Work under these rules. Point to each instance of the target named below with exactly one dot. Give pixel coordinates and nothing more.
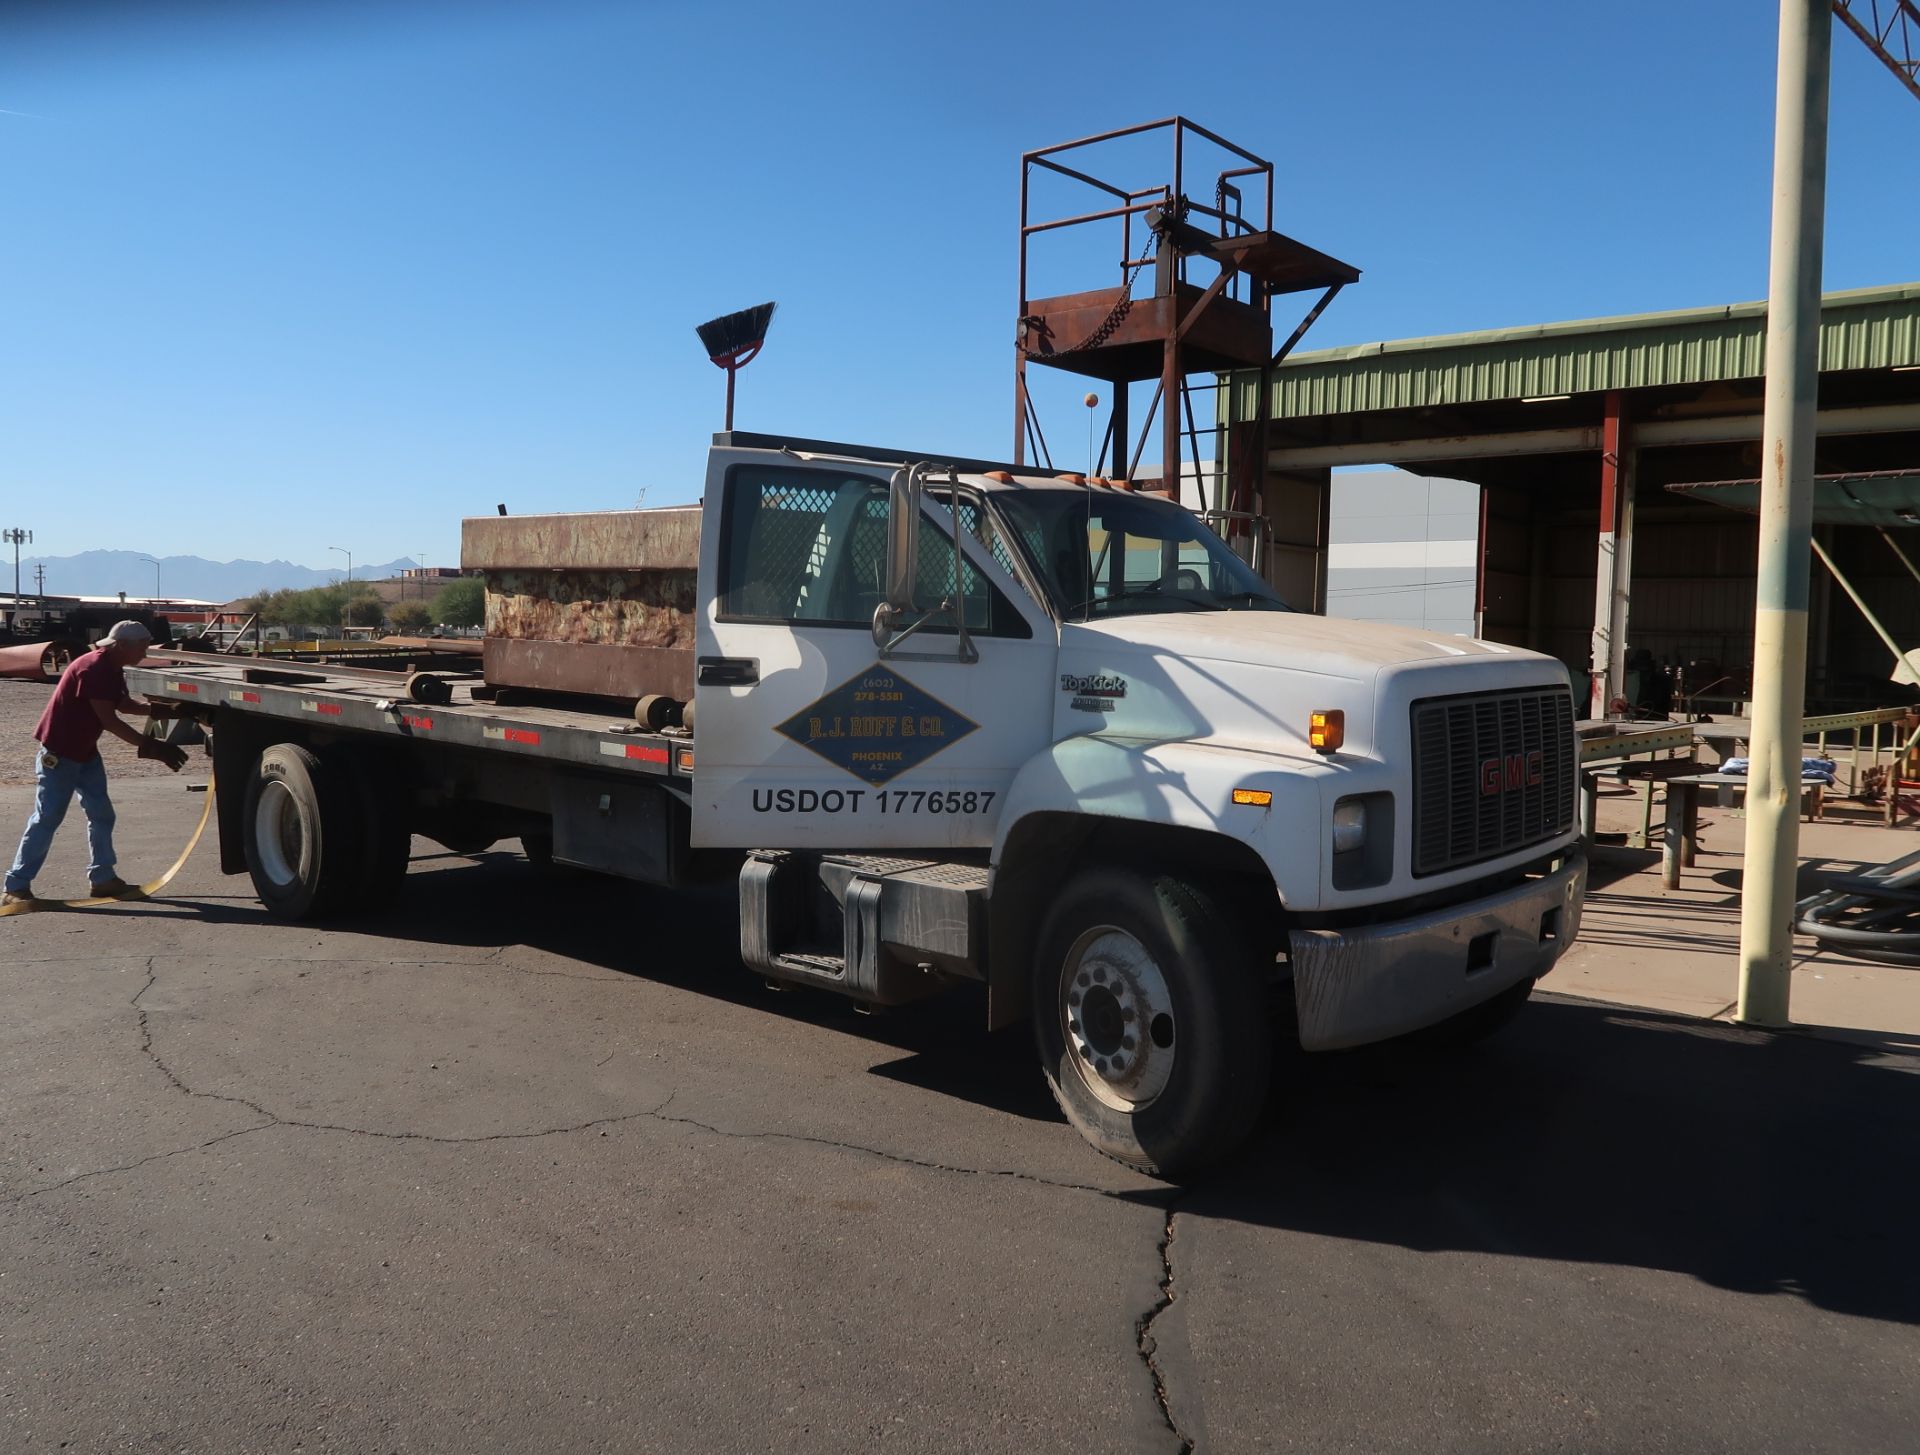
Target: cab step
(907, 927)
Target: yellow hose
(144, 891)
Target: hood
(1351, 649)
(1252, 678)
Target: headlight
(1349, 826)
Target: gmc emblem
(1516, 770)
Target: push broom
(733, 341)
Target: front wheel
(1150, 1015)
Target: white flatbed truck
(956, 721)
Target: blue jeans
(56, 786)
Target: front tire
(303, 834)
(1150, 1017)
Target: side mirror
(903, 535)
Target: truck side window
(806, 545)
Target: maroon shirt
(70, 728)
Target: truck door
(809, 733)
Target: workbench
(1680, 841)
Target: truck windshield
(1107, 553)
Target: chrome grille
(1476, 792)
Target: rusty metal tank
(36, 661)
(598, 603)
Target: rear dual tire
(324, 834)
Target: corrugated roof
(1862, 328)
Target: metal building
(1573, 431)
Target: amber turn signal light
(1255, 797)
(1326, 731)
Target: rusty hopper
(601, 604)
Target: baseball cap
(127, 634)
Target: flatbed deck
(361, 701)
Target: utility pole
(16, 538)
(40, 580)
(1786, 512)
(156, 575)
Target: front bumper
(1353, 987)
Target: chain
(1116, 315)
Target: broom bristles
(737, 332)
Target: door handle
(727, 671)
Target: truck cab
(975, 721)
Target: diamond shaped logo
(877, 725)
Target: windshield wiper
(1254, 598)
(1144, 601)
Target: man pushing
(89, 699)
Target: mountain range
(103, 573)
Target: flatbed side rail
(358, 705)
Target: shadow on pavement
(1589, 1134)
(690, 939)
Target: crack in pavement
(656, 1113)
(130, 1166)
(889, 1156)
(1145, 1346)
(1143, 1334)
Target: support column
(1786, 512)
(1170, 417)
(1480, 572)
(1122, 445)
(1622, 564)
(1606, 673)
(1020, 404)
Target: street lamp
(156, 575)
(16, 538)
(346, 605)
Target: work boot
(22, 897)
(114, 888)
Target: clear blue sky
(279, 276)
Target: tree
(359, 604)
(282, 608)
(461, 603)
(410, 616)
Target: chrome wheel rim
(278, 836)
(1116, 1015)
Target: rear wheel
(303, 834)
(1151, 1022)
(384, 809)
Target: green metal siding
(1867, 328)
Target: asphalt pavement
(533, 1165)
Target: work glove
(174, 758)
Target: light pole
(16, 538)
(156, 575)
(346, 605)
(1786, 512)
